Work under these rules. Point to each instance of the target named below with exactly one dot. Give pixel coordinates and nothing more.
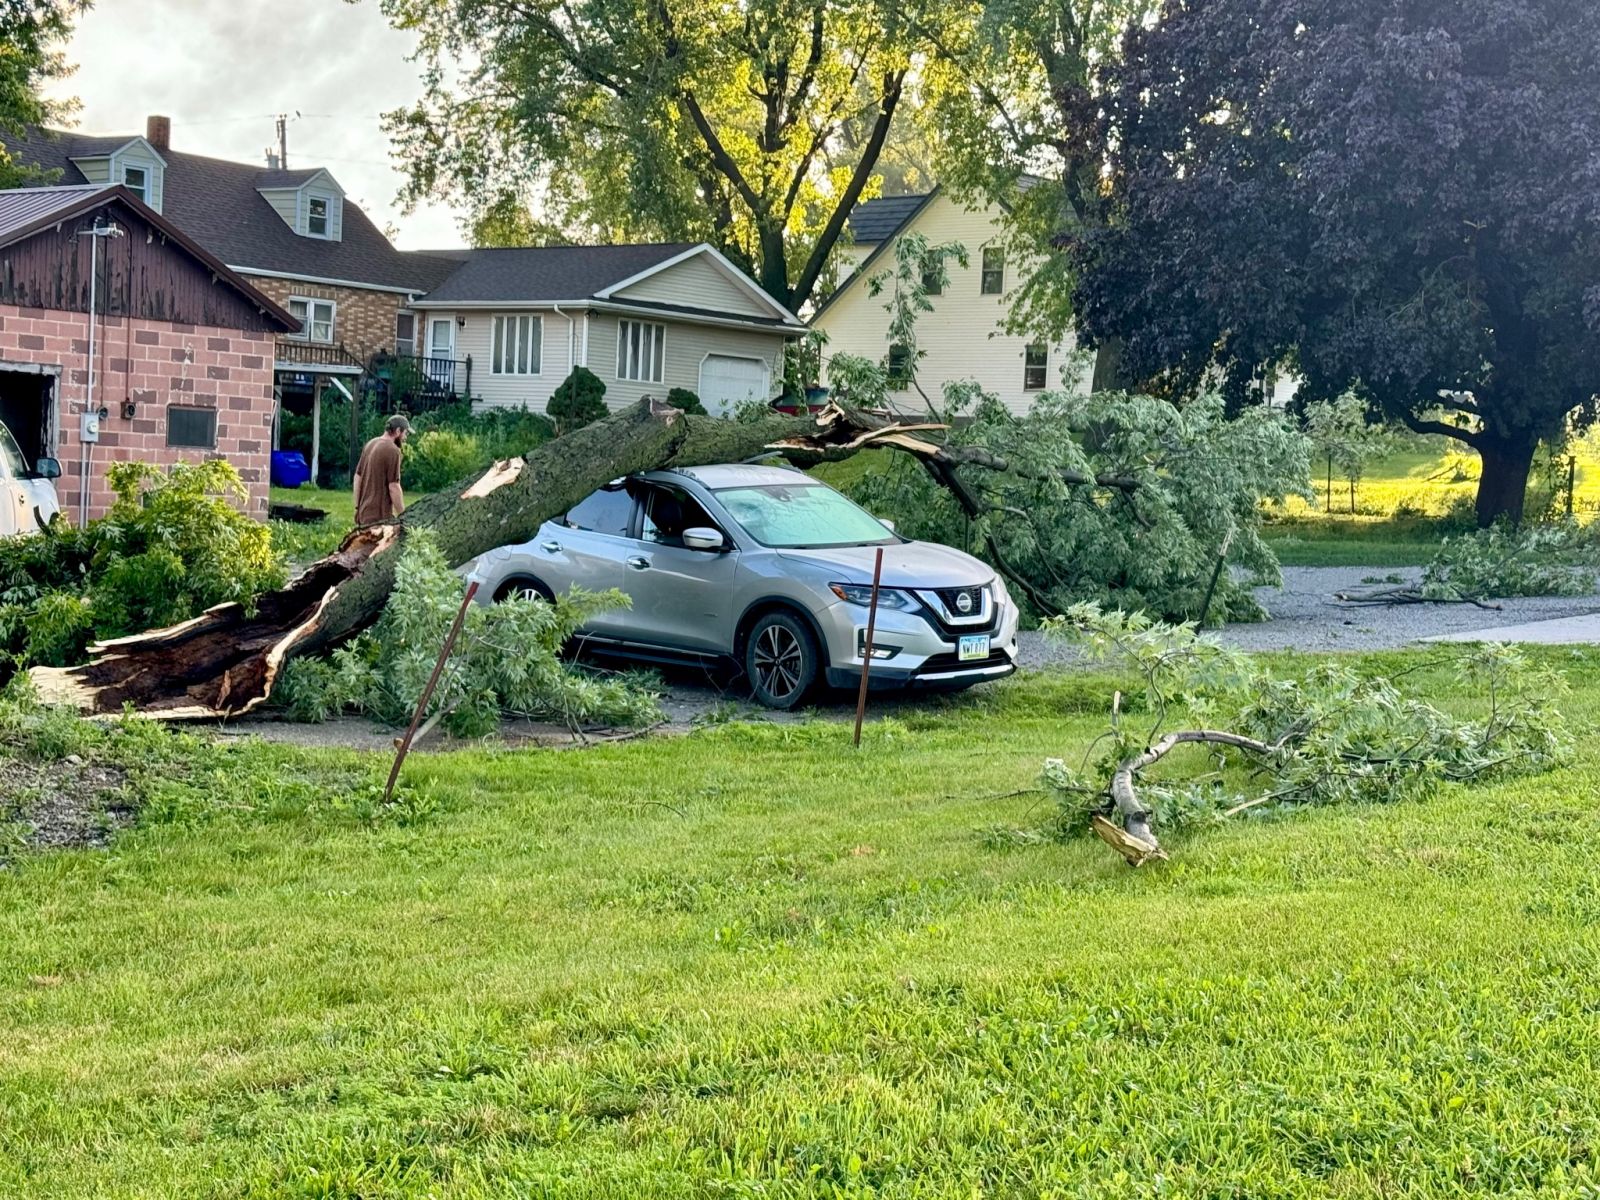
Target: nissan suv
(771, 569)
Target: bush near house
(172, 546)
(579, 401)
(686, 401)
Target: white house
(645, 319)
(964, 336)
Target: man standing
(377, 481)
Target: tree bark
(1503, 485)
(224, 662)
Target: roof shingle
(545, 273)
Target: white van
(27, 493)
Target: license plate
(973, 647)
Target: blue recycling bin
(289, 469)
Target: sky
(222, 69)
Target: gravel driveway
(1305, 616)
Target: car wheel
(780, 660)
(525, 586)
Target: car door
(682, 598)
(586, 549)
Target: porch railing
(295, 352)
(417, 383)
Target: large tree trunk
(224, 662)
(1503, 486)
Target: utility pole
(283, 141)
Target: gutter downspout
(572, 337)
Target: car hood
(909, 564)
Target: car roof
(727, 475)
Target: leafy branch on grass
(1499, 562)
(507, 661)
(1333, 736)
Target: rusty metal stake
(403, 747)
(866, 650)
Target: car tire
(781, 660)
(523, 585)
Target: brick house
(181, 366)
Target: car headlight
(861, 593)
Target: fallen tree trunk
(224, 662)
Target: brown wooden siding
(142, 275)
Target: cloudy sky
(221, 69)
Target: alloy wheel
(779, 661)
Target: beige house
(964, 336)
(645, 319)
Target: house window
(405, 334)
(317, 216)
(137, 181)
(518, 345)
(641, 351)
(191, 428)
(899, 367)
(994, 271)
(1036, 368)
(932, 284)
(316, 318)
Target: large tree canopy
(752, 124)
(31, 32)
(1400, 197)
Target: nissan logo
(964, 602)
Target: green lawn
(749, 962)
(339, 503)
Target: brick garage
(155, 365)
(177, 335)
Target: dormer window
(317, 216)
(137, 181)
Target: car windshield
(11, 461)
(802, 516)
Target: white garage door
(726, 381)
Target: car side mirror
(47, 468)
(886, 523)
(701, 538)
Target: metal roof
(21, 208)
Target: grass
(339, 503)
(750, 962)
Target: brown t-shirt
(378, 468)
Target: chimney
(158, 132)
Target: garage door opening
(27, 409)
(727, 381)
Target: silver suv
(769, 568)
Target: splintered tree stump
(225, 662)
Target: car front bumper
(921, 655)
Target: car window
(607, 511)
(789, 516)
(668, 512)
(11, 461)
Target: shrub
(171, 546)
(579, 401)
(686, 401)
(440, 458)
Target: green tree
(579, 400)
(1346, 440)
(31, 32)
(681, 119)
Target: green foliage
(1502, 561)
(920, 270)
(31, 34)
(1196, 482)
(1343, 436)
(578, 401)
(439, 458)
(747, 126)
(1332, 735)
(507, 660)
(172, 546)
(685, 401)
